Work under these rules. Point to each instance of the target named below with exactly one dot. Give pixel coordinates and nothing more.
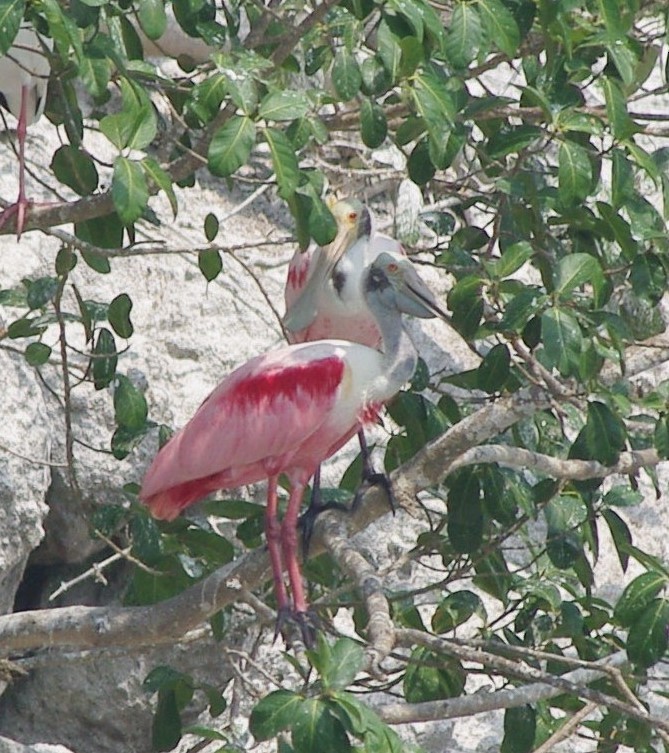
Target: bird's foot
(19, 208)
(372, 478)
(307, 623)
(308, 518)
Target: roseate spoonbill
(24, 75)
(286, 412)
(325, 299)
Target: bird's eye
(392, 267)
(353, 216)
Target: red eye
(392, 267)
(353, 216)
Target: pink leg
(273, 534)
(289, 545)
(22, 203)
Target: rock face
(25, 432)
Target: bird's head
(354, 220)
(396, 283)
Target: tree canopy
(522, 146)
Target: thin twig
(567, 729)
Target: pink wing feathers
(264, 418)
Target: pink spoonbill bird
(24, 75)
(286, 412)
(325, 299)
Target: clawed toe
(308, 520)
(308, 623)
(376, 479)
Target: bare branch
(576, 470)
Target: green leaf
(500, 25)
(119, 315)
(284, 105)
(390, 51)
(620, 228)
(105, 359)
(616, 17)
(465, 512)
(11, 15)
(431, 677)
(41, 291)
(661, 437)
(315, 727)
(322, 225)
(464, 36)
(284, 160)
(494, 370)
(637, 596)
(166, 725)
(274, 713)
(24, 328)
(130, 406)
(410, 12)
(466, 302)
(152, 18)
(433, 100)
(231, 146)
(375, 79)
(346, 76)
(125, 439)
(209, 545)
(420, 167)
(37, 354)
(622, 126)
(211, 227)
(493, 576)
(625, 60)
(574, 173)
(210, 263)
(564, 516)
(562, 340)
(647, 638)
(130, 192)
(373, 124)
(145, 536)
(620, 533)
(66, 261)
(345, 663)
(162, 180)
(576, 270)
(74, 168)
(644, 160)
(520, 727)
(512, 140)
(511, 261)
(605, 433)
(103, 232)
(135, 127)
(455, 610)
(622, 496)
(648, 277)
